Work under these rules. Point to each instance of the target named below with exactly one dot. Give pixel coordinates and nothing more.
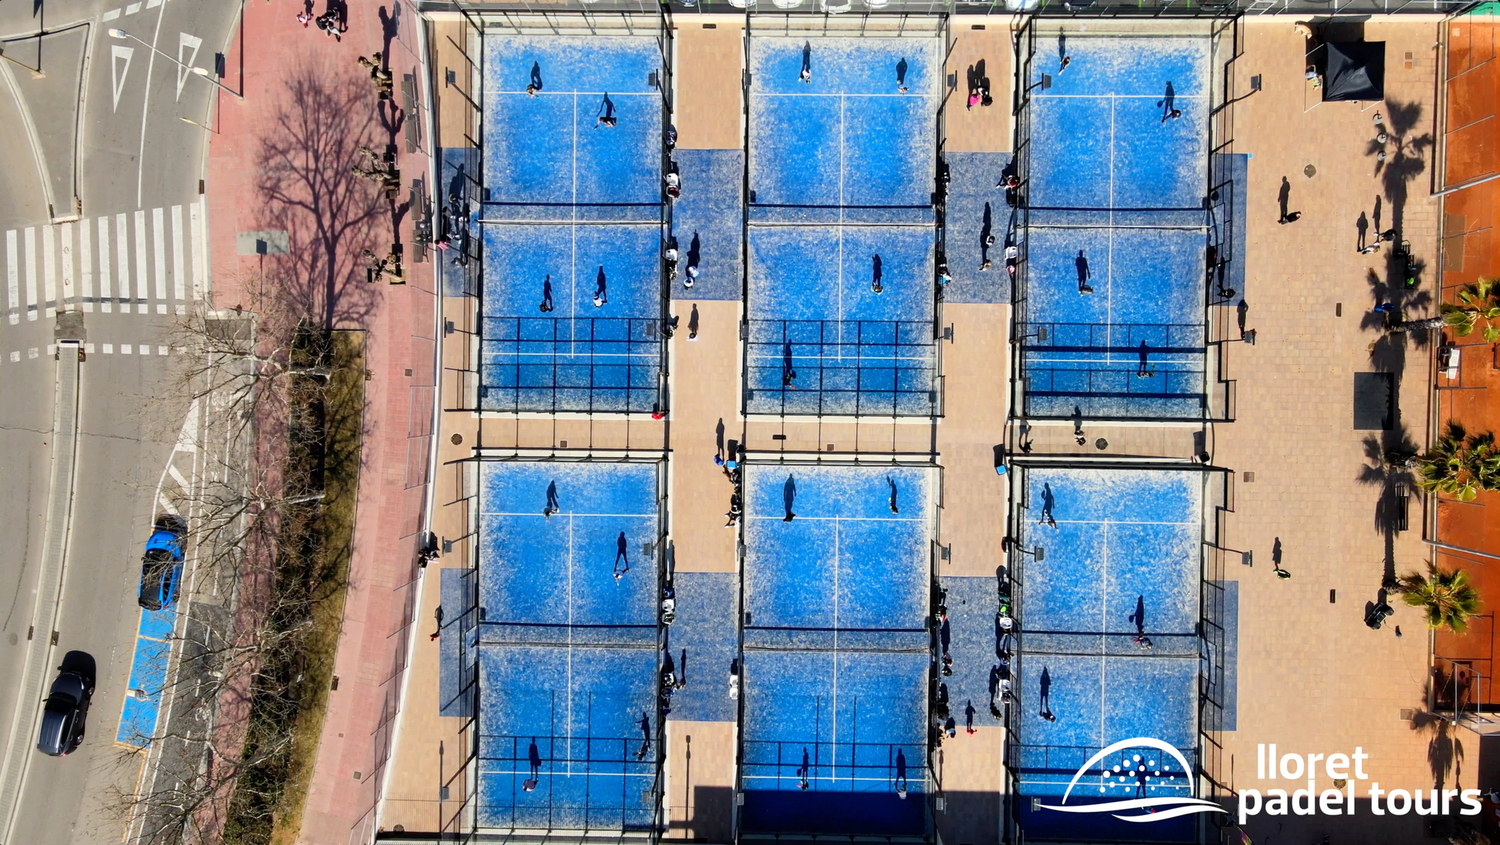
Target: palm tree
(1460, 464)
(1445, 596)
(1477, 302)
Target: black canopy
(1354, 70)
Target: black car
(67, 709)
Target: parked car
(161, 567)
(66, 711)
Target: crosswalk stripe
(30, 235)
(49, 269)
(122, 244)
(141, 285)
(86, 264)
(179, 270)
(159, 239)
(68, 292)
(75, 265)
(105, 294)
(12, 278)
(200, 253)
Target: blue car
(161, 568)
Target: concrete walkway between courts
(286, 207)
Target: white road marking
(68, 292)
(141, 291)
(49, 271)
(159, 239)
(110, 15)
(86, 264)
(12, 278)
(200, 255)
(185, 43)
(122, 240)
(30, 235)
(119, 54)
(179, 274)
(105, 294)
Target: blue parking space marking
(148, 674)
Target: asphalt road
(99, 131)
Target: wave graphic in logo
(1172, 807)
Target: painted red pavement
(281, 163)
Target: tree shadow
(1445, 750)
(305, 187)
(1388, 471)
(1398, 162)
(1388, 351)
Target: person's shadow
(552, 497)
(682, 670)
(1081, 265)
(806, 58)
(901, 783)
(718, 429)
(788, 498)
(985, 230)
(601, 285)
(695, 250)
(876, 273)
(1241, 312)
(606, 113)
(534, 758)
(621, 554)
(1139, 616)
(901, 68)
(1168, 101)
(788, 373)
(804, 773)
(1283, 200)
(1049, 501)
(692, 333)
(892, 483)
(1044, 701)
(645, 723)
(1362, 226)
(945, 636)
(536, 75)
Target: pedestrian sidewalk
(280, 166)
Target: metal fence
(1050, 8)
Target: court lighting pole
(200, 71)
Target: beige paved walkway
(705, 393)
(710, 101)
(1312, 677)
(980, 129)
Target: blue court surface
(572, 225)
(567, 651)
(841, 275)
(1109, 639)
(836, 647)
(1117, 234)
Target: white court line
(569, 721)
(1103, 619)
(49, 271)
(159, 240)
(12, 278)
(538, 515)
(643, 775)
(837, 519)
(200, 256)
(576, 94)
(86, 264)
(840, 324)
(68, 291)
(833, 770)
(1109, 522)
(1109, 277)
(573, 214)
(179, 276)
(30, 235)
(815, 95)
(104, 288)
(140, 259)
(1175, 96)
